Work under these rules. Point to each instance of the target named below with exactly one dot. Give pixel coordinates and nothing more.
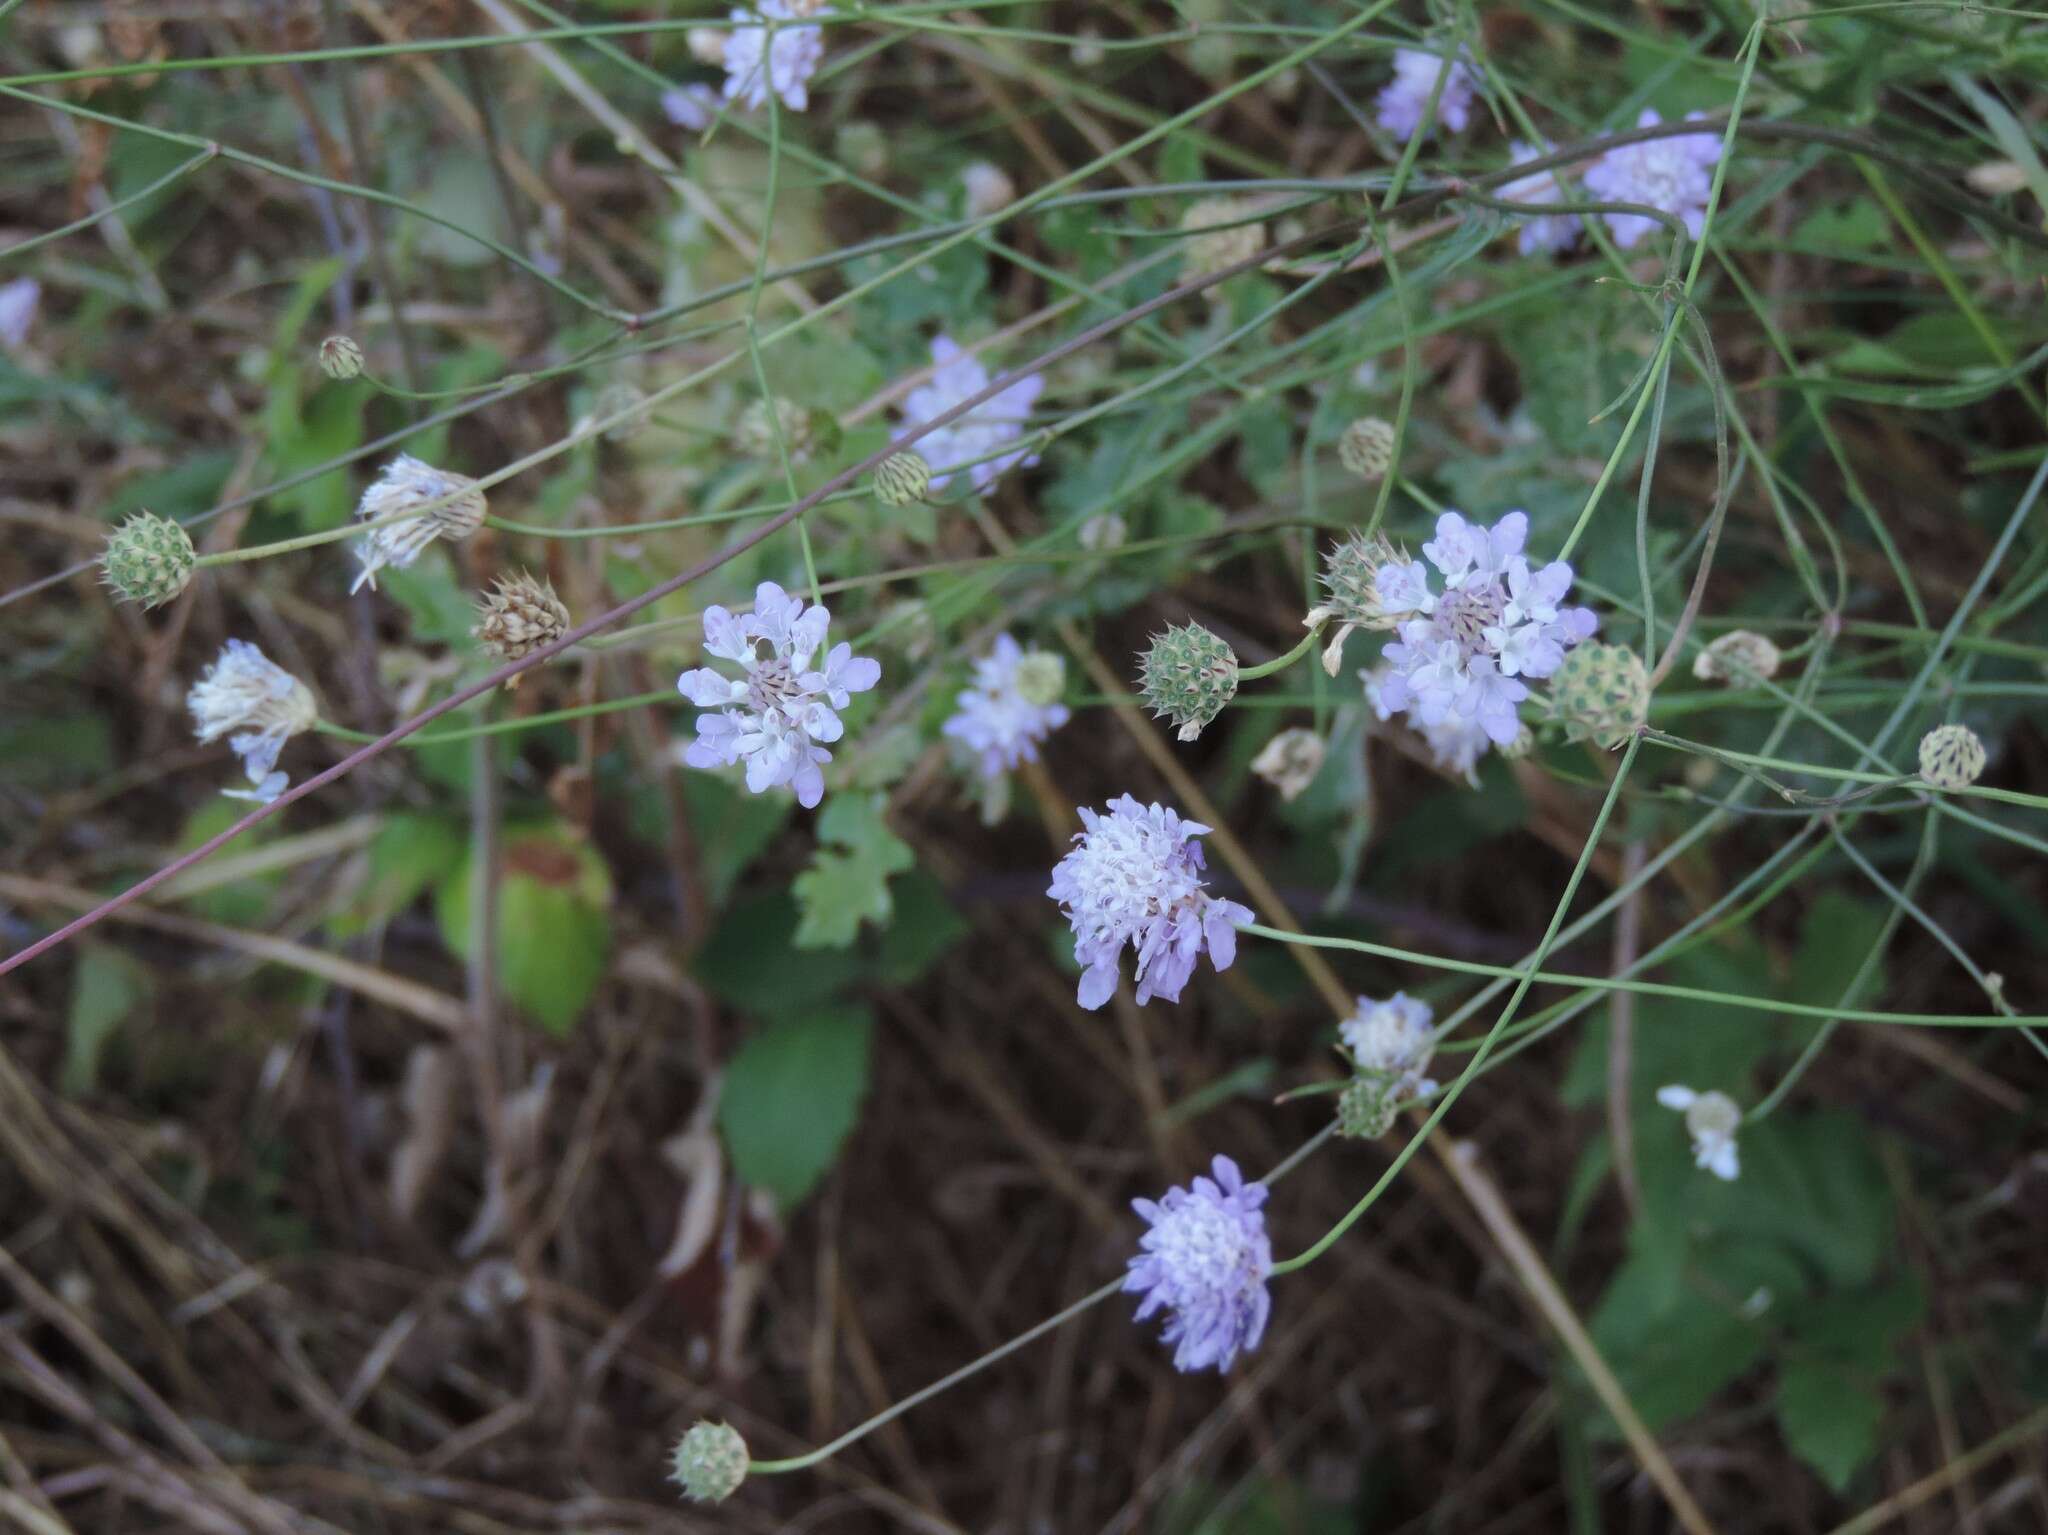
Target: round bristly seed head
(1737, 656)
(1600, 693)
(1187, 677)
(340, 357)
(1366, 1108)
(902, 478)
(1351, 577)
(1951, 757)
(518, 618)
(148, 559)
(755, 432)
(710, 1462)
(1367, 447)
(1040, 678)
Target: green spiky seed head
(148, 559)
(1351, 577)
(1187, 677)
(1600, 693)
(903, 478)
(1951, 757)
(1365, 1109)
(1041, 677)
(340, 357)
(1367, 447)
(710, 1462)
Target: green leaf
(409, 854)
(926, 926)
(554, 928)
(748, 963)
(792, 1095)
(106, 986)
(1830, 1418)
(841, 890)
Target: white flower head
(1403, 102)
(407, 484)
(1711, 1119)
(1290, 761)
(778, 718)
(764, 52)
(246, 692)
(1010, 709)
(18, 301)
(969, 439)
(1392, 1040)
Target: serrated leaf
(554, 927)
(106, 987)
(792, 1095)
(842, 889)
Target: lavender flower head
(692, 108)
(246, 692)
(1403, 101)
(777, 718)
(18, 301)
(1136, 877)
(1206, 1260)
(1674, 174)
(1393, 1040)
(1553, 232)
(1013, 705)
(982, 430)
(1462, 653)
(756, 63)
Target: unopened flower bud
(902, 478)
(1367, 447)
(521, 616)
(1366, 1109)
(754, 434)
(148, 559)
(710, 1462)
(989, 189)
(1600, 693)
(1187, 677)
(1951, 757)
(340, 357)
(1737, 656)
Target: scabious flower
(245, 691)
(1552, 233)
(18, 301)
(1136, 877)
(1013, 705)
(981, 430)
(1403, 102)
(1457, 670)
(778, 716)
(756, 65)
(407, 483)
(1674, 174)
(1206, 1260)
(691, 107)
(1711, 1119)
(1392, 1042)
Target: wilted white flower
(406, 484)
(1402, 103)
(1135, 877)
(1206, 1259)
(755, 65)
(1553, 232)
(1290, 761)
(989, 189)
(1674, 174)
(1711, 1119)
(982, 430)
(1013, 705)
(691, 107)
(18, 301)
(245, 691)
(778, 718)
(1737, 656)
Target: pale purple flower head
(1674, 174)
(1393, 1041)
(778, 718)
(982, 430)
(1553, 232)
(1004, 716)
(246, 692)
(1206, 1260)
(691, 107)
(1135, 876)
(18, 301)
(755, 65)
(1457, 669)
(1404, 100)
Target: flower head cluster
(245, 691)
(1711, 1119)
(1553, 232)
(763, 53)
(407, 484)
(777, 717)
(1674, 174)
(1405, 99)
(981, 431)
(1206, 1260)
(1013, 705)
(1135, 877)
(1457, 668)
(1392, 1040)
